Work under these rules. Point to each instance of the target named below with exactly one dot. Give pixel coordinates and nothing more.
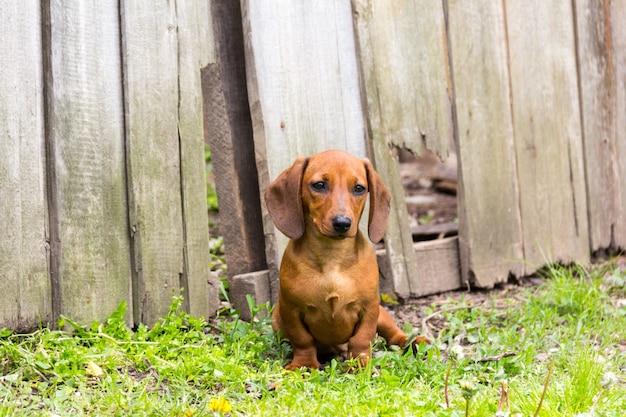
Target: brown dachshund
(328, 300)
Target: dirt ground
(412, 310)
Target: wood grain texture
(150, 50)
(228, 130)
(195, 51)
(490, 235)
(437, 259)
(24, 281)
(406, 84)
(618, 12)
(86, 158)
(399, 268)
(548, 133)
(440, 265)
(303, 89)
(403, 53)
(602, 67)
(405, 272)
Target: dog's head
(328, 191)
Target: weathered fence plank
(438, 261)
(228, 130)
(404, 65)
(402, 264)
(303, 90)
(403, 52)
(602, 66)
(547, 130)
(195, 51)
(490, 237)
(150, 50)
(24, 282)
(439, 264)
(618, 11)
(86, 158)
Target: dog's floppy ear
(379, 203)
(284, 200)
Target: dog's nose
(341, 224)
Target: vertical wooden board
(404, 54)
(547, 130)
(618, 17)
(490, 236)
(196, 50)
(405, 273)
(24, 281)
(150, 50)
(400, 262)
(407, 87)
(86, 152)
(602, 67)
(303, 89)
(228, 130)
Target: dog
(328, 295)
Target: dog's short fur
(328, 300)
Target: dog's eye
(319, 186)
(359, 190)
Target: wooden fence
(102, 178)
(105, 105)
(532, 95)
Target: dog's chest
(333, 294)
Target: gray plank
(618, 13)
(150, 48)
(490, 235)
(24, 281)
(602, 66)
(548, 133)
(303, 89)
(86, 155)
(196, 50)
(440, 264)
(403, 54)
(439, 261)
(401, 260)
(406, 84)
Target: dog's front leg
(303, 357)
(304, 350)
(359, 344)
(287, 321)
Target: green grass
(574, 325)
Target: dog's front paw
(416, 341)
(300, 362)
(422, 339)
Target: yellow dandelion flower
(220, 405)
